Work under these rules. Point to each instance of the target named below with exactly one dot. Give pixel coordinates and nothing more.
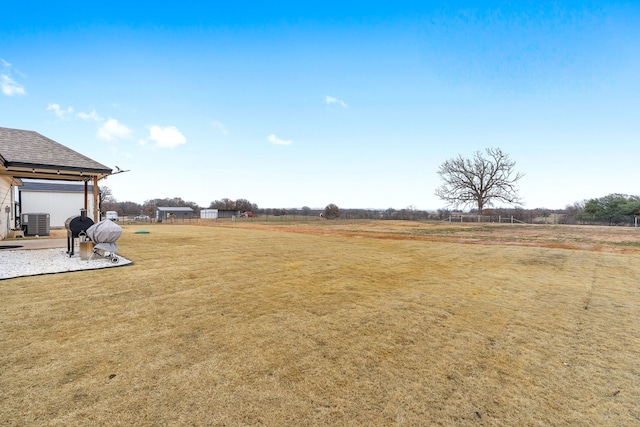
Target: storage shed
(208, 213)
(59, 199)
(164, 213)
(228, 213)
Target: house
(26, 154)
(164, 213)
(58, 198)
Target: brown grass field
(355, 323)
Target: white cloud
(9, 86)
(166, 137)
(277, 141)
(60, 112)
(93, 115)
(220, 127)
(112, 130)
(330, 100)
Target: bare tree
(479, 180)
(245, 206)
(225, 203)
(105, 195)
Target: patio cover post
(96, 207)
(86, 196)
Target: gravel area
(20, 263)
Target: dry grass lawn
(335, 323)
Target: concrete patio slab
(42, 243)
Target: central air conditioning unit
(35, 224)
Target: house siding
(6, 199)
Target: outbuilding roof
(27, 154)
(174, 209)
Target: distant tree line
(613, 209)
(234, 205)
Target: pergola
(27, 154)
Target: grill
(75, 225)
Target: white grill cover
(106, 247)
(105, 231)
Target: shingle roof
(29, 149)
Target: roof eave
(55, 174)
(67, 169)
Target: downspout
(7, 209)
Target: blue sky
(292, 104)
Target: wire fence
(483, 218)
(549, 219)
